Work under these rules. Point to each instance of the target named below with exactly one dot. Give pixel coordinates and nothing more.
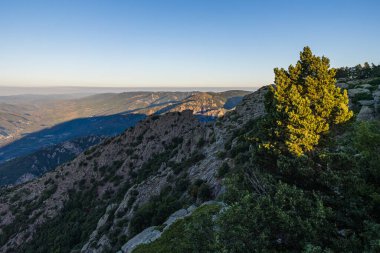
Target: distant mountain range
(24, 155)
(23, 115)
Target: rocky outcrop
(364, 97)
(366, 113)
(252, 105)
(353, 92)
(103, 241)
(153, 233)
(148, 235)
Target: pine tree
(305, 103)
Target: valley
(25, 116)
(99, 116)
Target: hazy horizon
(67, 90)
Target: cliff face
(105, 190)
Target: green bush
(204, 192)
(285, 220)
(223, 170)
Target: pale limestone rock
(148, 235)
(366, 102)
(354, 92)
(366, 113)
(342, 85)
(366, 86)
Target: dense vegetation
(327, 201)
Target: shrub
(223, 170)
(304, 103)
(204, 192)
(286, 220)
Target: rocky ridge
(136, 166)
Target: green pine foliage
(305, 103)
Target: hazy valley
(100, 116)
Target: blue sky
(231, 43)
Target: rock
(103, 240)
(180, 214)
(376, 98)
(366, 102)
(366, 113)
(148, 235)
(175, 216)
(25, 178)
(354, 92)
(342, 85)
(366, 86)
(104, 218)
(354, 82)
(191, 208)
(252, 105)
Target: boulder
(175, 216)
(354, 92)
(148, 235)
(376, 94)
(366, 86)
(366, 102)
(342, 85)
(366, 113)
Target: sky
(192, 43)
